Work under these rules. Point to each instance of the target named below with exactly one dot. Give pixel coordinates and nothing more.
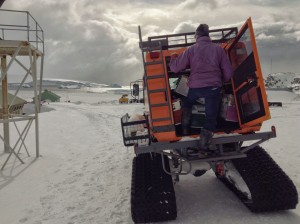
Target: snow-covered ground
(84, 172)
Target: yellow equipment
(124, 98)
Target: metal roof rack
(186, 39)
(26, 29)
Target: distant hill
(52, 84)
(283, 80)
(72, 84)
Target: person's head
(202, 30)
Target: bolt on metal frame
(16, 42)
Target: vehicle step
(156, 76)
(157, 90)
(154, 63)
(159, 105)
(161, 119)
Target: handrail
(32, 31)
(12, 25)
(187, 39)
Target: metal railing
(20, 25)
(187, 39)
(20, 36)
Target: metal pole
(5, 105)
(37, 103)
(41, 80)
(28, 28)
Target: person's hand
(174, 55)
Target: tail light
(273, 129)
(154, 55)
(220, 169)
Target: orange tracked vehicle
(163, 153)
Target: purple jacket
(209, 64)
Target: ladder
(147, 47)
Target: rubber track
(271, 189)
(152, 191)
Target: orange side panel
(159, 113)
(156, 84)
(157, 98)
(154, 69)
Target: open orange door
(247, 81)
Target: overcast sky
(97, 40)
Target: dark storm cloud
(271, 2)
(98, 40)
(184, 27)
(82, 43)
(192, 4)
(278, 39)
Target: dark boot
(186, 120)
(205, 139)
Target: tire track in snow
(94, 179)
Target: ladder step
(156, 76)
(154, 44)
(147, 49)
(161, 119)
(157, 91)
(159, 105)
(154, 63)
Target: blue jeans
(212, 96)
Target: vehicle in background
(137, 88)
(124, 99)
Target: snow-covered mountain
(71, 84)
(67, 84)
(283, 80)
(86, 86)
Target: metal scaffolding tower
(1, 2)
(21, 45)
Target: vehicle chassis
(220, 152)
